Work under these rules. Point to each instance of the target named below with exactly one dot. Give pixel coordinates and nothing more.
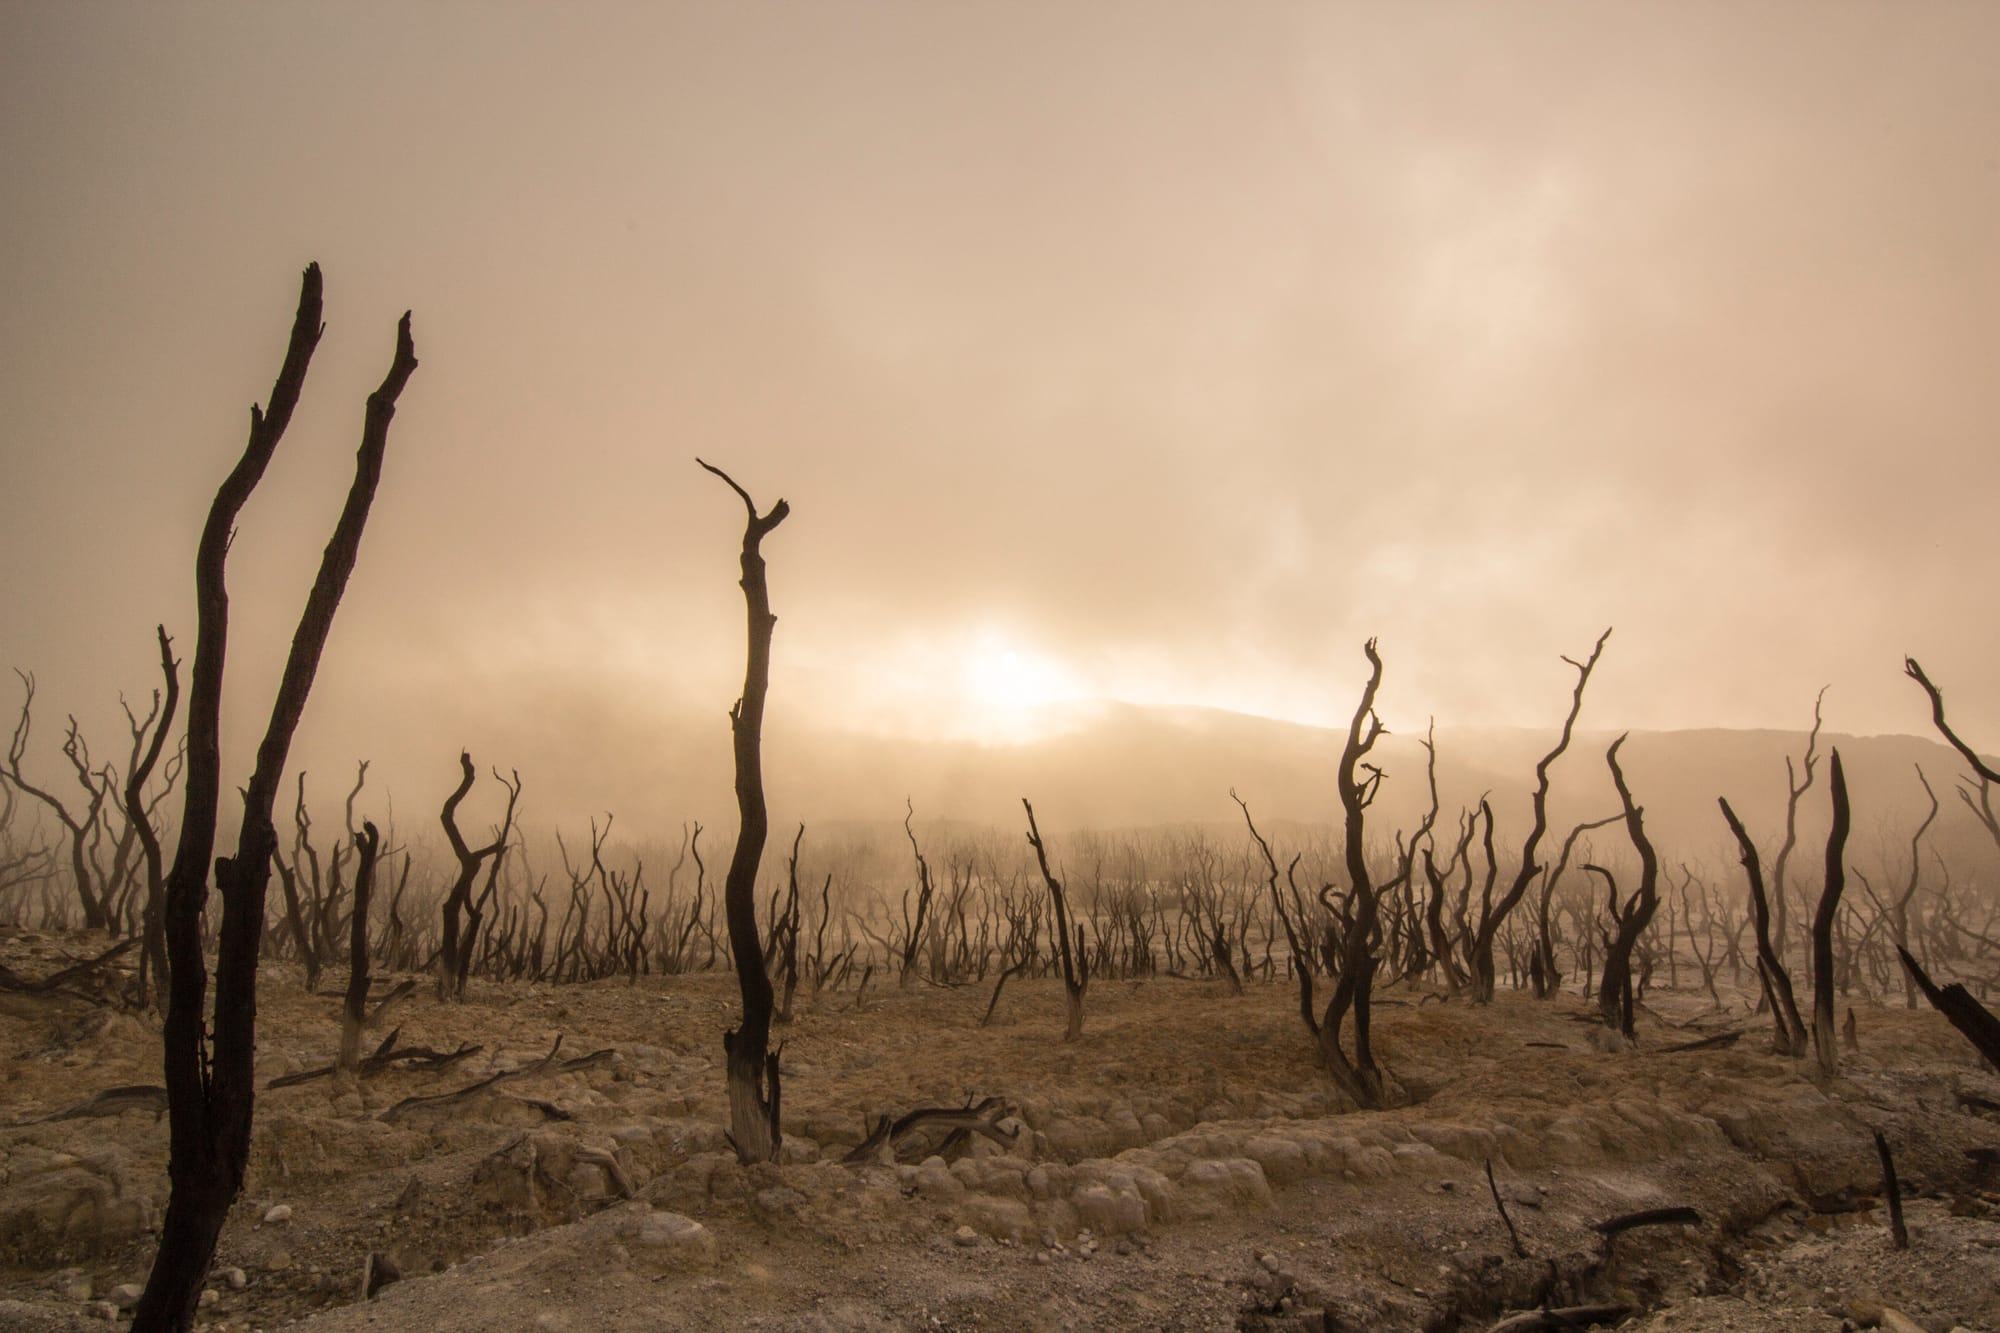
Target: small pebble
(278, 1214)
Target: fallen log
(963, 1121)
(386, 1056)
(13, 981)
(1717, 1042)
(473, 1090)
(110, 1102)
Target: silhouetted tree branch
(1490, 920)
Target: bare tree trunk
(1777, 983)
(1614, 992)
(1357, 782)
(1795, 788)
(1492, 915)
(210, 1082)
(1829, 905)
(1075, 962)
(753, 1069)
(354, 1005)
(153, 953)
(914, 930)
(455, 954)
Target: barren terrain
(1185, 1165)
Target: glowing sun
(1010, 692)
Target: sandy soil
(1184, 1166)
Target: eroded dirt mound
(1184, 1165)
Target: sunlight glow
(1009, 693)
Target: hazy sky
(1154, 352)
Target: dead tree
(1822, 936)
(1357, 781)
(753, 1067)
(455, 955)
(1542, 971)
(1777, 982)
(1795, 789)
(782, 951)
(153, 953)
(1291, 918)
(128, 886)
(354, 1004)
(22, 862)
(913, 930)
(80, 827)
(1898, 910)
(1614, 992)
(209, 1077)
(1982, 806)
(1973, 1020)
(1492, 915)
(307, 926)
(1075, 962)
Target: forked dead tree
(1357, 781)
(753, 1067)
(1492, 915)
(455, 955)
(1629, 920)
(1075, 962)
(1795, 789)
(209, 1076)
(153, 959)
(1790, 1038)
(913, 929)
(1981, 805)
(1543, 974)
(82, 828)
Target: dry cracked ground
(1183, 1166)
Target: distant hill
(1132, 767)
(1137, 767)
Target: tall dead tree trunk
(153, 952)
(1492, 916)
(211, 1077)
(1631, 919)
(455, 953)
(1075, 962)
(1777, 983)
(1829, 907)
(913, 930)
(1357, 781)
(753, 1068)
(1795, 789)
(354, 1002)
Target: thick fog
(1138, 353)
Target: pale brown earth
(1184, 1166)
